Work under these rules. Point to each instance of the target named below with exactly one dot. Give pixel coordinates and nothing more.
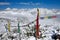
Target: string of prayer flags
(48, 17)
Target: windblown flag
(37, 24)
(41, 17)
(54, 16)
(18, 28)
(49, 17)
(8, 26)
(46, 17)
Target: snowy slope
(26, 16)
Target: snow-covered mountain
(26, 16)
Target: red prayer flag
(54, 16)
(37, 24)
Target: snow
(26, 16)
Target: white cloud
(9, 9)
(35, 3)
(4, 3)
(24, 3)
(30, 3)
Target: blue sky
(50, 4)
